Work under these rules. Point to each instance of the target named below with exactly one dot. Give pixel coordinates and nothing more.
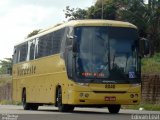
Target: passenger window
(32, 46)
(23, 52)
(15, 56)
(50, 44)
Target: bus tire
(62, 107)
(114, 108)
(26, 106)
(34, 106)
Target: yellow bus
(81, 63)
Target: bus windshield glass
(107, 54)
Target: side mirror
(144, 46)
(72, 41)
(69, 40)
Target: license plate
(110, 98)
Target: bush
(151, 65)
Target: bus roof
(76, 23)
(101, 23)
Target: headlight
(84, 95)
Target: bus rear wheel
(114, 108)
(26, 106)
(62, 107)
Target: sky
(20, 17)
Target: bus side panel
(40, 78)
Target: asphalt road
(12, 112)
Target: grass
(7, 102)
(151, 65)
(145, 106)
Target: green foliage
(34, 32)
(7, 102)
(109, 10)
(151, 65)
(73, 14)
(145, 106)
(93, 12)
(145, 16)
(5, 66)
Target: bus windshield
(107, 54)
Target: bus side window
(32, 46)
(49, 44)
(36, 48)
(58, 37)
(23, 52)
(15, 56)
(44, 46)
(41, 47)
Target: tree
(147, 18)
(103, 9)
(153, 23)
(5, 66)
(73, 14)
(34, 32)
(93, 12)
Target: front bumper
(92, 98)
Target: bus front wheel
(114, 108)
(34, 106)
(62, 107)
